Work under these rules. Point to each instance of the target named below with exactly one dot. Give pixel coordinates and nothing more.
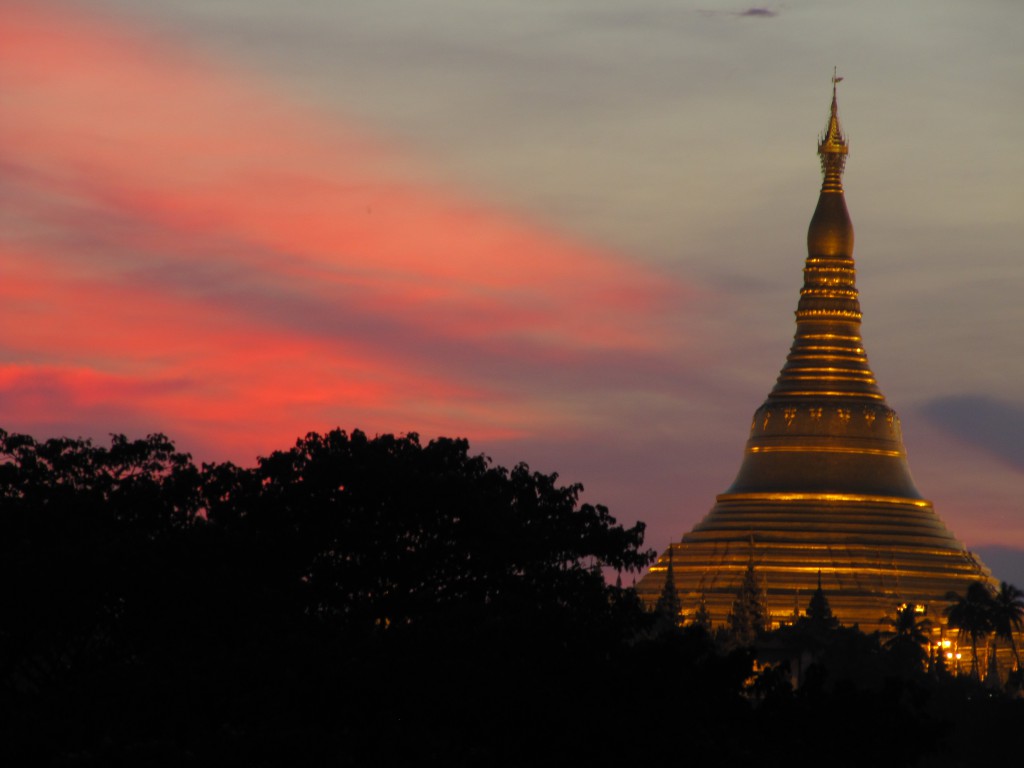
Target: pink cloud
(185, 248)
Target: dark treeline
(356, 601)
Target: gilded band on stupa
(824, 486)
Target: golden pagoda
(824, 487)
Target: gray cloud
(756, 12)
(994, 426)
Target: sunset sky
(570, 231)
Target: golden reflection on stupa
(824, 486)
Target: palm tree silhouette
(1008, 615)
(971, 613)
(909, 636)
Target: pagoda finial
(833, 146)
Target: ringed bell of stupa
(824, 486)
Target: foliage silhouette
(384, 532)
(357, 600)
(1008, 616)
(749, 616)
(223, 610)
(702, 616)
(909, 640)
(971, 613)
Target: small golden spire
(827, 358)
(833, 146)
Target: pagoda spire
(825, 425)
(833, 146)
(668, 607)
(827, 357)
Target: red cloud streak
(183, 250)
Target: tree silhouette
(702, 616)
(364, 581)
(749, 615)
(1008, 615)
(385, 532)
(971, 613)
(78, 527)
(353, 599)
(909, 640)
